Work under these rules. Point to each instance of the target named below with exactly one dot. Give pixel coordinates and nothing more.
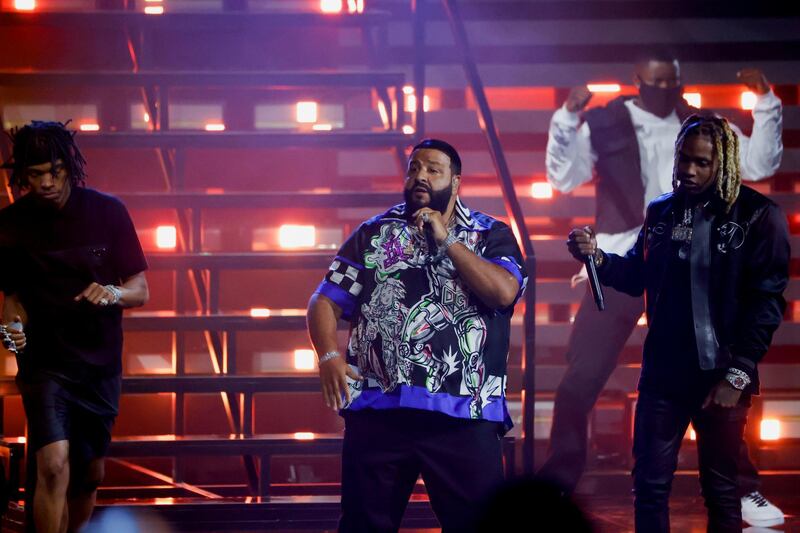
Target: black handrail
(517, 219)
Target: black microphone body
(429, 239)
(594, 282)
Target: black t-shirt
(671, 366)
(52, 255)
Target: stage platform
(607, 514)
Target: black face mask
(439, 199)
(659, 101)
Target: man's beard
(439, 200)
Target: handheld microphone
(427, 230)
(594, 282)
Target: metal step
(203, 384)
(560, 206)
(178, 21)
(547, 335)
(221, 383)
(276, 512)
(22, 78)
(258, 445)
(240, 261)
(244, 140)
(620, 482)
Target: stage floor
(607, 514)
(687, 515)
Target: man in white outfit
(629, 145)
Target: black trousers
(658, 432)
(385, 451)
(596, 340)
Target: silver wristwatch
(738, 379)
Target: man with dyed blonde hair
(713, 261)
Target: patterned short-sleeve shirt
(419, 337)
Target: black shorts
(59, 411)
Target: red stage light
(306, 112)
(166, 237)
(748, 100)
(693, 99)
(770, 429)
(304, 359)
(330, 6)
(260, 312)
(411, 103)
(604, 87)
(541, 190)
(24, 5)
(89, 127)
(294, 236)
(215, 126)
(355, 6)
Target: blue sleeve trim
(339, 296)
(514, 270)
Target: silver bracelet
(449, 241)
(116, 291)
(333, 354)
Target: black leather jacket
(739, 268)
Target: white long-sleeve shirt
(570, 157)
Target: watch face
(737, 382)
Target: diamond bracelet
(116, 291)
(449, 241)
(333, 354)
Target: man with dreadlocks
(713, 260)
(626, 146)
(72, 261)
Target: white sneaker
(759, 511)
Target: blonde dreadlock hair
(726, 149)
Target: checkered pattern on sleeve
(345, 276)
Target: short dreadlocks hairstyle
(45, 142)
(726, 149)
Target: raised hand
(578, 98)
(754, 80)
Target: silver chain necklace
(682, 232)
